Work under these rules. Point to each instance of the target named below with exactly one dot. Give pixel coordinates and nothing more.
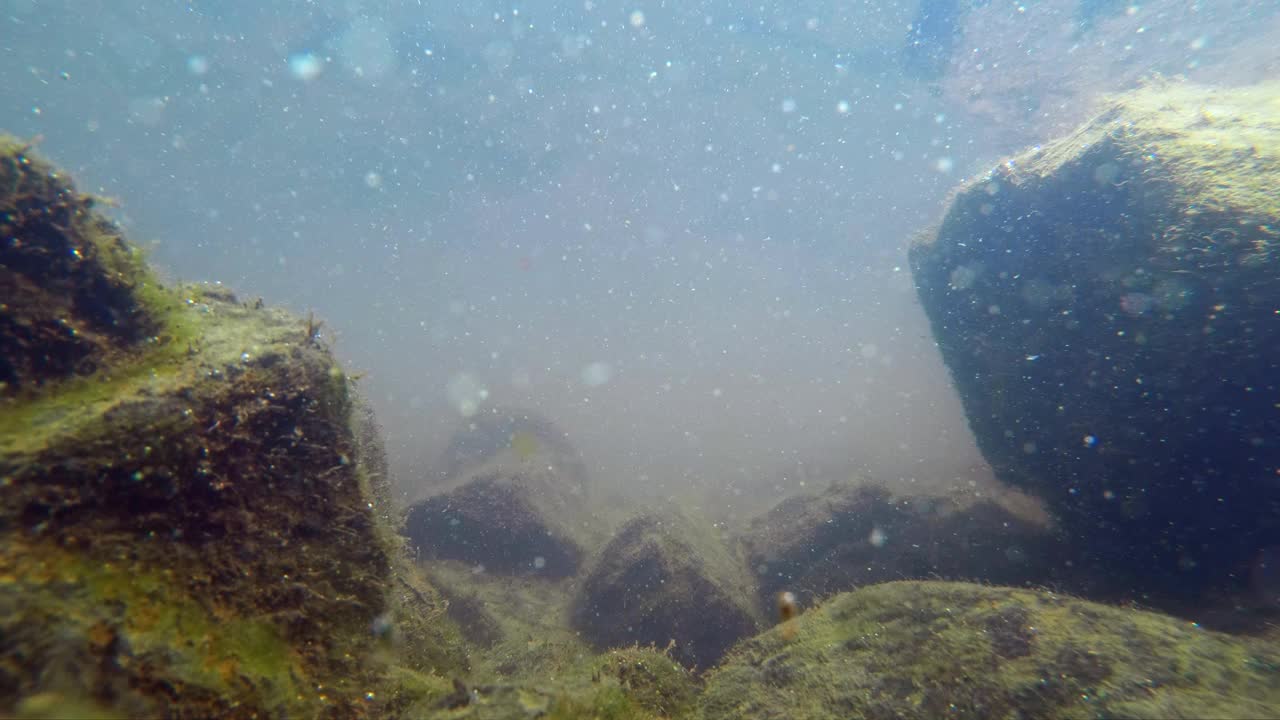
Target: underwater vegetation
(949, 649)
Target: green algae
(652, 679)
(934, 649)
(188, 521)
(136, 615)
(627, 684)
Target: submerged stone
(511, 437)
(73, 294)
(939, 649)
(664, 579)
(1107, 305)
(853, 535)
(187, 522)
(504, 522)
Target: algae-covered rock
(936, 649)
(514, 498)
(187, 526)
(511, 522)
(512, 437)
(1107, 305)
(855, 534)
(73, 295)
(663, 579)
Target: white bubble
(788, 105)
(945, 164)
(373, 180)
(636, 19)
(197, 65)
(305, 66)
(539, 562)
(842, 107)
(877, 537)
(596, 374)
(466, 393)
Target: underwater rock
(1106, 305)
(186, 523)
(73, 295)
(510, 522)
(855, 534)
(511, 437)
(662, 579)
(939, 649)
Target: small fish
(788, 606)
(788, 609)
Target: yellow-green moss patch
(934, 649)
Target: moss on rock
(938, 649)
(187, 522)
(73, 295)
(666, 578)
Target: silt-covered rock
(855, 534)
(662, 579)
(507, 521)
(1107, 307)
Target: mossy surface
(625, 684)
(936, 649)
(666, 577)
(194, 519)
(73, 295)
(80, 627)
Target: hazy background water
(676, 229)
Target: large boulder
(855, 534)
(955, 650)
(666, 578)
(1107, 307)
(186, 524)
